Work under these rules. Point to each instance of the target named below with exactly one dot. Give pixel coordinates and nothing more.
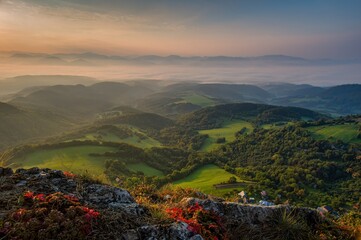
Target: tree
(232, 179)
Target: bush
(221, 140)
(200, 221)
(53, 216)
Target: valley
(222, 143)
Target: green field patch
(144, 168)
(228, 131)
(199, 100)
(345, 132)
(206, 177)
(139, 139)
(274, 125)
(75, 159)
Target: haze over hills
(51, 109)
(19, 126)
(95, 58)
(220, 69)
(87, 99)
(15, 84)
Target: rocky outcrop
(124, 219)
(49, 181)
(99, 196)
(251, 215)
(175, 231)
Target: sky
(307, 28)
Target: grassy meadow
(199, 100)
(228, 131)
(344, 132)
(205, 177)
(74, 159)
(146, 169)
(139, 139)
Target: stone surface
(247, 213)
(50, 181)
(130, 220)
(175, 231)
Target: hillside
(19, 126)
(213, 117)
(142, 120)
(338, 100)
(231, 92)
(177, 99)
(16, 84)
(79, 101)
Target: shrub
(53, 216)
(287, 225)
(200, 221)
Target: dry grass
(5, 156)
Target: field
(199, 100)
(135, 140)
(205, 177)
(344, 132)
(146, 169)
(227, 131)
(74, 159)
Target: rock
(175, 231)
(129, 235)
(104, 196)
(247, 214)
(129, 220)
(167, 197)
(50, 181)
(6, 171)
(21, 183)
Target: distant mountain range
(89, 59)
(83, 97)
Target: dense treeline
(181, 137)
(290, 163)
(333, 121)
(213, 117)
(145, 121)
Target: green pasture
(228, 131)
(146, 169)
(205, 177)
(75, 159)
(344, 132)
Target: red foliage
(71, 198)
(28, 195)
(43, 212)
(69, 174)
(31, 196)
(200, 221)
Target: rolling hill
(19, 126)
(16, 84)
(213, 117)
(338, 100)
(79, 101)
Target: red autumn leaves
(200, 221)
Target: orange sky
(193, 29)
